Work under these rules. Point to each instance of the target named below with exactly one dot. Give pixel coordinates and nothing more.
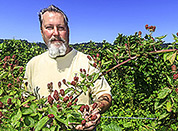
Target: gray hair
(52, 8)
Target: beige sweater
(42, 70)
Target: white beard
(57, 49)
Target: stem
(152, 52)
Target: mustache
(58, 39)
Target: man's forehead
(51, 13)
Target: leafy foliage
(143, 77)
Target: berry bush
(142, 74)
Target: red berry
(69, 104)
(173, 67)
(70, 97)
(146, 26)
(81, 70)
(89, 57)
(13, 56)
(62, 92)
(58, 105)
(76, 100)
(1, 104)
(139, 33)
(93, 117)
(59, 84)
(76, 78)
(82, 108)
(50, 116)
(21, 69)
(175, 76)
(83, 122)
(66, 99)
(97, 55)
(56, 95)
(1, 114)
(176, 90)
(94, 105)
(84, 70)
(64, 81)
(9, 85)
(87, 107)
(177, 33)
(95, 65)
(50, 99)
(9, 101)
(73, 83)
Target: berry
(70, 97)
(1, 114)
(62, 92)
(139, 33)
(94, 105)
(173, 67)
(177, 33)
(89, 57)
(176, 90)
(13, 56)
(175, 76)
(64, 81)
(94, 64)
(58, 105)
(87, 107)
(146, 26)
(50, 100)
(93, 117)
(76, 100)
(69, 104)
(9, 101)
(59, 84)
(81, 70)
(50, 116)
(73, 83)
(66, 99)
(1, 104)
(83, 122)
(9, 85)
(21, 69)
(82, 108)
(76, 78)
(97, 55)
(56, 95)
(84, 70)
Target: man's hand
(92, 119)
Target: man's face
(54, 31)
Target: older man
(63, 62)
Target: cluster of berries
(150, 28)
(88, 113)
(96, 59)
(4, 106)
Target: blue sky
(95, 20)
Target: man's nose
(55, 31)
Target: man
(63, 62)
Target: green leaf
(29, 121)
(172, 57)
(169, 106)
(16, 117)
(163, 116)
(160, 37)
(41, 123)
(164, 92)
(1, 91)
(170, 81)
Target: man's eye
(61, 28)
(49, 27)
